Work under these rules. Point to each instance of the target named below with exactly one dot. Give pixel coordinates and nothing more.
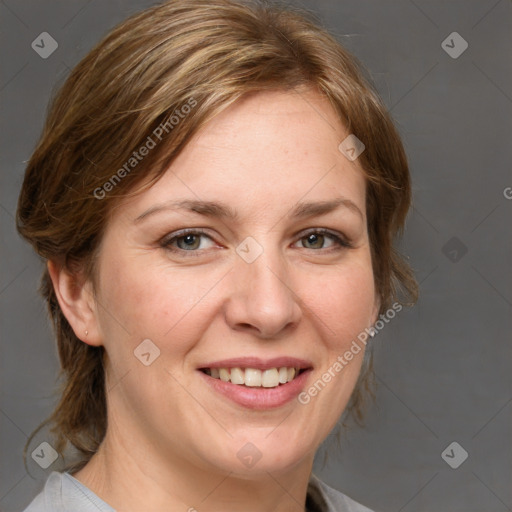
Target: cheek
(151, 301)
(343, 300)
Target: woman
(216, 193)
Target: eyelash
(340, 241)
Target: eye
(196, 240)
(322, 239)
(187, 241)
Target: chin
(264, 452)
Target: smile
(255, 383)
(253, 377)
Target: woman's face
(250, 254)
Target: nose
(262, 299)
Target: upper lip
(260, 364)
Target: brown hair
(205, 54)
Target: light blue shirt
(63, 493)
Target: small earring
(86, 333)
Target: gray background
(444, 367)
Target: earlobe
(76, 301)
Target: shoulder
(322, 498)
(63, 493)
(46, 500)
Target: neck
(131, 477)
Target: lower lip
(259, 398)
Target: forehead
(264, 151)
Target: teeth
(254, 378)
(237, 376)
(270, 378)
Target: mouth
(257, 384)
(254, 377)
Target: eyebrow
(304, 210)
(207, 208)
(215, 209)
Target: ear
(76, 300)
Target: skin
(172, 442)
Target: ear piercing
(86, 333)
